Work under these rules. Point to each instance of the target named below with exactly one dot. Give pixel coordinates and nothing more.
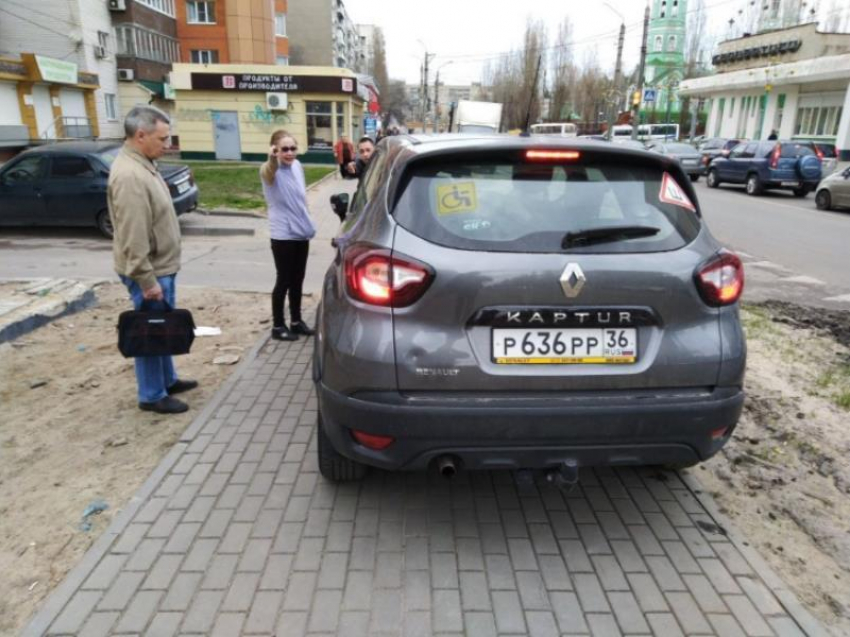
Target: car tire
(801, 192)
(823, 200)
(104, 224)
(332, 464)
(695, 178)
(754, 187)
(711, 179)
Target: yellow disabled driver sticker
(458, 197)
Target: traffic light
(636, 98)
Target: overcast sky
(470, 31)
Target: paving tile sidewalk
(237, 533)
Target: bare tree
(394, 102)
(379, 61)
(563, 72)
(696, 44)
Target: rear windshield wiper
(606, 235)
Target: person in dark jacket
(365, 148)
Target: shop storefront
(793, 82)
(228, 111)
(44, 99)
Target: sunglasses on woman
(287, 149)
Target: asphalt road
(783, 229)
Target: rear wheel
(104, 224)
(711, 179)
(801, 192)
(332, 464)
(823, 200)
(754, 187)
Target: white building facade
(794, 83)
(76, 31)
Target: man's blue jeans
(154, 374)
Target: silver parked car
(686, 154)
(834, 191)
(503, 302)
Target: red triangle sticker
(673, 194)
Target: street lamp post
(672, 85)
(612, 108)
(437, 96)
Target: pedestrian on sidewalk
(344, 154)
(291, 229)
(365, 148)
(146, 244)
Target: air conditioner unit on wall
(100, 52)
(126, 74)
(117, 5)
(277, 101)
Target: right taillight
(774, 156)
(720, 280)
(378, 277)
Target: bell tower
(665, 52)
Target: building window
(282, 60)
(204, 56)
(200, 12)
(103, 39)
(671, 43)
(163, 6)
(319, 134)
(675, 10)
(280, 24)
(133, 41)
(659, 43)
(111, 109)
(818, 121)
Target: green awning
(157, 88)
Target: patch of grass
(756, 322)
(237, 186)
(842, 399)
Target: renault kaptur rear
(513, 303)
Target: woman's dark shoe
(300, 327)
(283, 334)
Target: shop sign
(768, 50)
(273, 83)
(370, 126)
(53, 70)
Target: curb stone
(81, 300)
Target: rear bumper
(537, 431)
(186, 201)
(809, 185)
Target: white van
(564, 129)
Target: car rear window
(507, 206)
(680, 149)
(795, 150)
(108, 156)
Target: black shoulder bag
(146, 332)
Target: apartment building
(323, 34)
(58, 74)
(233, 31)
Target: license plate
(793, 184)
(689, 161)
(564, 346)
(183, 186)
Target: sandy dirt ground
(784, 478)
(70, 434)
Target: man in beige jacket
(146, 245)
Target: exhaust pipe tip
(447, 467)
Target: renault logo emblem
(572, 280)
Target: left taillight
(720, 279)
(378, 277)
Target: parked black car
(715, 147)
(64, 184)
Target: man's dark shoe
(283, 334)
(167, 405)
(300, 327)
(180, 386)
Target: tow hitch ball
(565, 474)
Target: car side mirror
(339, 203)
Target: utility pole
(642, 68)
(615, 108)
(531, 97)
(436, 100)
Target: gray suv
(504, 303)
